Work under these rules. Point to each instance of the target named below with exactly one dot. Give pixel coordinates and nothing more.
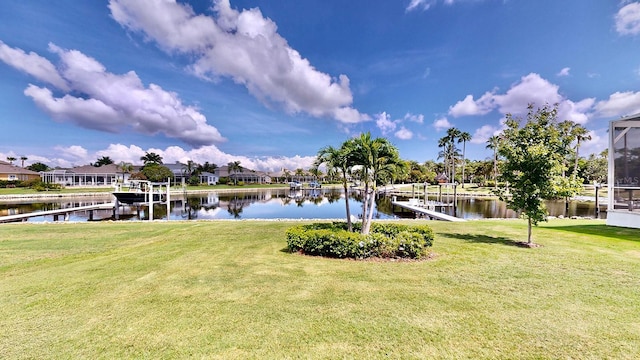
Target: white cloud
(244, 46)
(441, 124)
(419, 118)
(531, 89)
(564, 72)
(628, 19)
(468, 106)
(577, 112)
(385, 124)
(404, 134)
(481, 135)
(97, 99)
(32, 64)
(419, 4)
(619, 104)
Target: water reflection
(284, 204)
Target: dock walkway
(421, 209)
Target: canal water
(279, 204)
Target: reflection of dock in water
(56, 213)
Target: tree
(464, 137)
(38, 167)
(156, 172)
(190, 172)
(23, 159)
(208, 167)
(234, 168)
(125, 168)
(380, 162)
(11, 159)
(580, 133)
(493, 143)
(105, 160)
(339, 158)
(534, 156)
(151, 158)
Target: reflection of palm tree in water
(235, 207)
(191, 207)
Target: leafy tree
(151, 158)
(38, 167)
(11, 159)
(156, 172)
(534, 156)
(105, 160)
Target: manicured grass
(226, 289)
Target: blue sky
(269, 83)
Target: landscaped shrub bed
(384, 240)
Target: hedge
(385, 240)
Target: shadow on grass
(483, 239)
(601, 230)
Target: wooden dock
(56, 213)
(419, 208)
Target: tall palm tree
(189, 169)
(464, 137)
(23, 159)
(125, 168)
(452, 135)
(380, 161)
(338, 158)
(11, 159)
(580, 133)
(151, 158)
(493, 144)
(234, 168)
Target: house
(245, 175)
(10, 172)
(624, 172)
(87, 175)
(180, 175)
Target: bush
(385, 240)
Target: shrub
(385, 240)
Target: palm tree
(581, 134)
(452, 135)
(380, 161)
(234, 167)
(189, 169)
(464, 137)
(493, 144)
(105, 160)
(23, 159)
(11, 159)
(338, 159)
(151, 158)
(125, 168)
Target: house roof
(7, 168)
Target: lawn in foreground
(224, 289)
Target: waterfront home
(10, 172)
(624, 172)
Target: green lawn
(226, 289)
